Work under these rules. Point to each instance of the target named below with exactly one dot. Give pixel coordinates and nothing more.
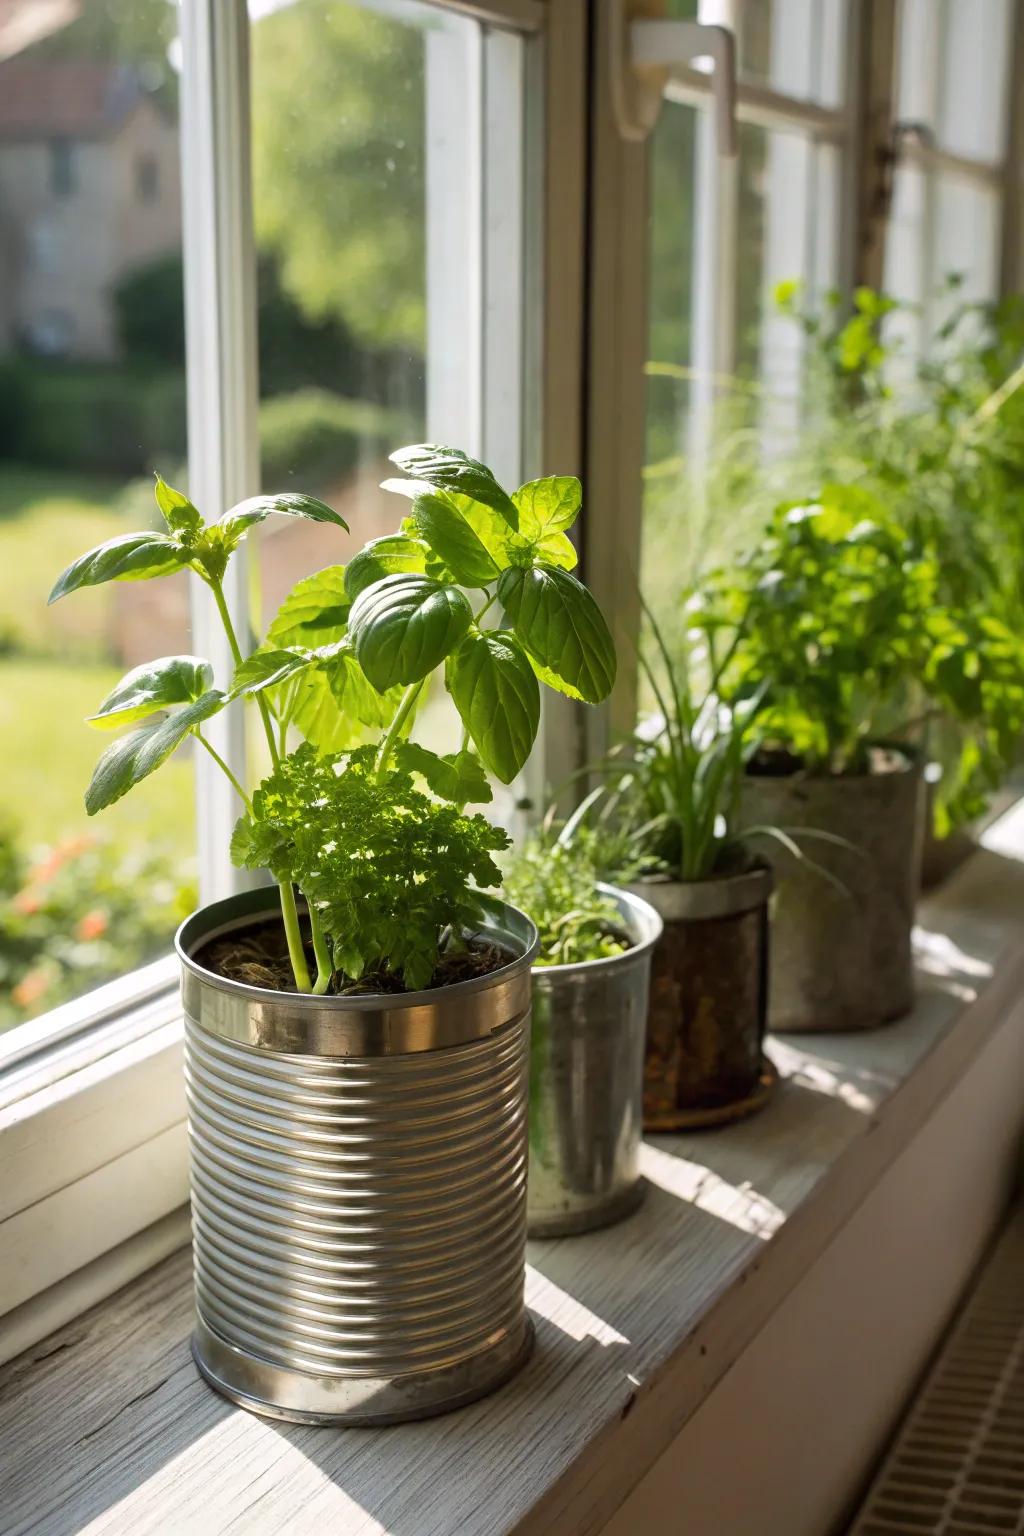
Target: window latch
(645, 53)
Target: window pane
(941, 227)
(718, 412)
(388, 214)
(954, 72)
(794, 46)
(92, 400)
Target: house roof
(63, 98)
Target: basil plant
(366, 826)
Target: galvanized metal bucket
(841, 948)
(705, 1062)
(358, 1171)
(586, 1082)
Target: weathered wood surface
(105, 1426)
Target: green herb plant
(554, 881)
(668, 798)
(367, 826)
(940, 444)
(840, 627)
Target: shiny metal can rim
(347, 1027)
(302, 1398)
(644, 926)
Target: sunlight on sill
(577, 1322)
(1005, 836)
(943, 961)
(738, 1204)
(857, 1089)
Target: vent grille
(957, 1467)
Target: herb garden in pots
(363, 1092)
(357, 1042)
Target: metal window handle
(645, 51)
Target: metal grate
(957, 1467)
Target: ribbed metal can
(586, 1081)
(358, 1170)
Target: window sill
(636, 1325)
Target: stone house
(89, 189)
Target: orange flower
(93, 925)
(26, 903)
(31, 988)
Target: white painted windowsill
(105, 1426)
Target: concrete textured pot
(842, 959)
(358, 1170)
(705, 1061)
(586, 1082)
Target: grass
(46, 520)
(61, 670)
(50, 754)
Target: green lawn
(59, 671)
(50, 753)
(46, 520)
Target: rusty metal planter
(705, 1062)
(841, 954)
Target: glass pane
(92, 400)
(941, 228)
(954, 72)
(669, 386)
(704, 485)
(794, 46)
(389, 231)
(788, 231)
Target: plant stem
(394, 730)
(289, 912)
(293, 933)
(216, 587)
(324, 964)
(225, 769)
(489, 603)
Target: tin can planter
(705, 1063)
(586, 1082)
(841, 955)
(358, 1169)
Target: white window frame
(93, 1166)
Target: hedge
(90, 416)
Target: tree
(338, 166)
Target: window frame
(93, 1165)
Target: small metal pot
(358, 1172)
(586, 1082)
(841, 948)
(705, 1062)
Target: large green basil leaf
(458, 777)
(563, 629)
(450, 470)
(315, 612)
(389, 556)
(404, 625)
(154, 686)
(498, 697)
(132, 758)
(288, 503)
(179, 513)
(129, 557)
(501, 544)
(546, 509)
(440, 522)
